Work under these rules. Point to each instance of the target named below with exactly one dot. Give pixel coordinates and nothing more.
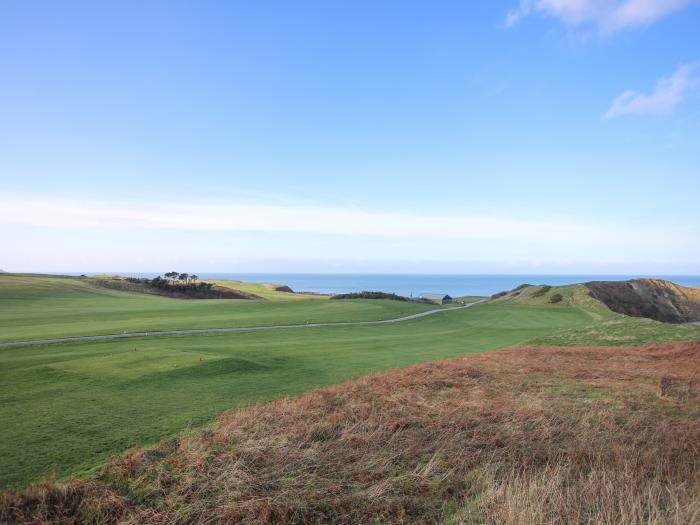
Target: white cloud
(608, 15)
(77, 215)
(668, 94)
(48, 234)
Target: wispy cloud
(669, 92)
(202, 217)
(607, 15)
(46, 233)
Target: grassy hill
(605, 326)
(266, 290)
(37, 307)
(573, 295)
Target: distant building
(436, 298)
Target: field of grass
(70, 405)
(470, 298)
(39, 307)
(621, 331)
(527, 435)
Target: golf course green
(40, 307)
(68, 406)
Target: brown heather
(527, 435)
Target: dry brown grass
(529, 435)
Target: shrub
(370, 295)
(556, 298)
(542, 291)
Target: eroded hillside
(653, 298)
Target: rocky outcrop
(653, 298)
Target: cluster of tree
(183, 278)
(370, 295)
(183, 282)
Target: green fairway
(39, 307)
(70, 405)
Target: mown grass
(69, 406)
(38, 307)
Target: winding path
(235, 329)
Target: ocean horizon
(415, 284)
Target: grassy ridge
(266, 290)
(71, 405)
(37, 307)
(606, 327)
(574, 295)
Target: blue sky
(533, 136)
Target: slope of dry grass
(520, 436)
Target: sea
(416, 284)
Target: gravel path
(237, 329)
